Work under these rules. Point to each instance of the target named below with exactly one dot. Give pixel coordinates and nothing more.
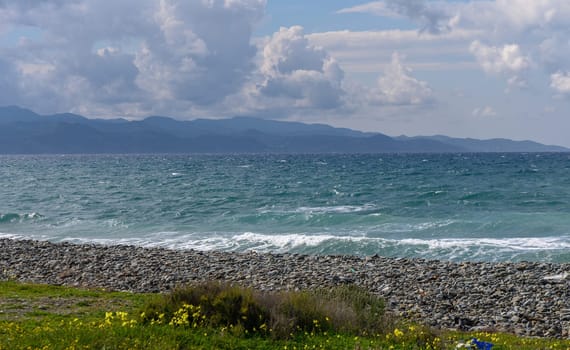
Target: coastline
(527, 298)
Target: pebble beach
(525, 298)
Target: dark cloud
(117, 52)
(193, 57)
(430, 18)
(140, 57)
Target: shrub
(292, 312)
(346, 309)
(220, 305)
(355, 310)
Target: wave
(512, 244)
(399, 227)
(483, 195)
(286, 242)
(13, 217)
(455, 249)
(460, 249)
(211, 241)
(338, 209)
(21, 236)
(13, 236)
(289, 241)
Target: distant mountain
(492, 145)
(16, 114)
(25, 132)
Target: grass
(280, 315)
(217, 316)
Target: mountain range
(24, 132)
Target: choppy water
(494, 207)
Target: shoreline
(526, 298)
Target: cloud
(508, 60)
(553, 52)
(484, 112)
(177, 57)
(297, 73)
(371, 51)
(130, 56)
(198, 57)
(429, 17)
(377, 8)
(514, 17)
(560, 82)
(500, 17)
(397, 87)
(192, 57)
(515, 36)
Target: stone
(530, 299)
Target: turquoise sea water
(493, 207)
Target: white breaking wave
(17, 236)
(294, 241)
(404, 228)
(288, 241)
(448, 248)
(514, 244)
(211, 241)
(11, 236)
(16, 217)
(338, 209)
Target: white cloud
(560, 82)
(397, 87)
(371, 51)
(298, 73)
(515, 16)
(519, 35)
(35, 69)
(498, 16)
(377, 8)
(486, 111)
(508, 60)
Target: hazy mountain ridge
(490, 145)
(25, 132)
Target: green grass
(215, 316)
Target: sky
(463, 68)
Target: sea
(457, 207)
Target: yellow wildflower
(398, 333)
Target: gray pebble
(527, 298)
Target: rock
(531, 299)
